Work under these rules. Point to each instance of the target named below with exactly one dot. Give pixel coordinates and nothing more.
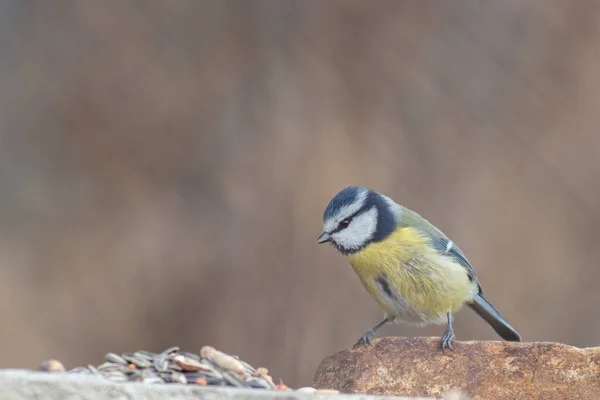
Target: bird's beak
(324, 238)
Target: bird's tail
(486, 311)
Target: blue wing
(447, 248)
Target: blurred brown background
(164, 167)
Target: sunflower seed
(223, 360)
(187, 364)
(192, 376)
(248, 367)
(171, 350)
(137, 360)
(94, 370)
(115, 376)
(193, 356)
(257, 383)
(149, 354)
(143, 355)
(115, 358)
(108, 366)
(177, 377)
(215, 381)
(233, 379)
(52, 366)
(268, 380)
(260, 372)
(136, 376)
(211, 367)
(161, 363)
(148, 376)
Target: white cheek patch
(346, 211)
(360, 231)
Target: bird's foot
(365, 339)
(447, 339)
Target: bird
(415, 272)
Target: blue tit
(415, 273)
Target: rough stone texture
(23, 384)
(482, 370)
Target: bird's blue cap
(345, 197)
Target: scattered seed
(94, 370)
(261, 371)
(207, 351)
(248, 368)
(148, 354)
(143, 355)
(187, 364)
(140, 361)
(115, 358)
(209, 368)
(232, 379)
(178, 377)
(192, 376)
(200, 381)
(223, 360)
(150, 377)
(195, 357)
(110, 367)
(281, 385)
(269, 379)
(171, 350)
(52, 366)
(257, 383)
(215, 381)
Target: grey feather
(486, 311)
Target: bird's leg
(448, 337)
(370, 334)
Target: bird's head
(356, 217)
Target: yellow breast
(410, 280)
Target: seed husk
(115, 358)
(209, 368)
(52, 366)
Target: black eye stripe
(367, 206)
(340, 227)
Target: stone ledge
(18, 384)
(482, 370)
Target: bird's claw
(365, 340)
(447, 340)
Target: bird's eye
(344, 224)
